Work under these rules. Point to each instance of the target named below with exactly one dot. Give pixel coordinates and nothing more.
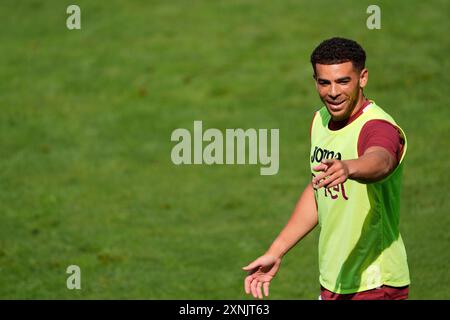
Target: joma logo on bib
(319, 154)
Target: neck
(336, 125)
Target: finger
(340, 180)
(328, 162)
(330, 179)
(253, 287)
(248, 280)
(318, 179)
(252, 265)
(320, 167)
(324, 164)
(258, 287)
(266, 288)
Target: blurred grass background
(86, 117)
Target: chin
(339, 115)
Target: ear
(363, 77)
(315, 81)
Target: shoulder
(376, 112)
(379, 126)
(380, 133)
(321, 115)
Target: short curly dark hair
(339, 50)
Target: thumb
(328, 161)
(324, 165)
(320, 167)
(252, 265)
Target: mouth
(335, 105)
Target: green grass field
(86, 116)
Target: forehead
(333, 71)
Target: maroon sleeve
(383, 134)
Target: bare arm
(302, 221)
(262, 270)
(374, 165)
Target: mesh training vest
(360, 246)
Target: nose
(333, 92)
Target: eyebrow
(337, 80)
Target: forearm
(302, 221)
(372, 166)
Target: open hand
(260, 273)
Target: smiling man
(357, 152)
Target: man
(357, 153)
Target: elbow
(389, 165)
